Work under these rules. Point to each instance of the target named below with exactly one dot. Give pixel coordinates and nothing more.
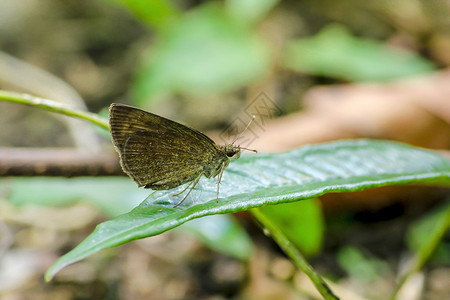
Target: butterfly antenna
(243, 131)
(252, 150)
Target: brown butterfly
(161, 154)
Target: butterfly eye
(234, 154)
(229, 150)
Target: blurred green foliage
(111, 195)
(359, 265)
(419, 234)
(334, 52)
(156, 13)
(222, 233)
(204, 52)
(302, 223)
(215, 48)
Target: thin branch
(56, 162)
(53, 106)
(67, 162)
(427, 249)
(294, 254)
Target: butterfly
(161, 154)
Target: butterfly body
(161, 154)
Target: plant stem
(424, 253)
(53, 106)
(294, 254)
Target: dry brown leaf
(414, 110)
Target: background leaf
(302, 223)
(221, 233)
(112, 195)
(362, 266)
(205, 52)
(257, 180)
(249, 11)
(156, 13)
(418, 235)
(334, 52)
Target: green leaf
(334, 52)
(359, 266)
(153, 12)
(302, 223)
(221, 233)
(112, 195)
(420, 235)
(249, 11)
(204, 52)
(261, 179)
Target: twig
(53, 107)
(67, 162)
(56, 162)
(294, 254)
(424, 253)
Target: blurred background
(310, 71)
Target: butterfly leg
(178, 194)
(219, 179)
(195, 183)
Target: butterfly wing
(156, 152)
(160, 162)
